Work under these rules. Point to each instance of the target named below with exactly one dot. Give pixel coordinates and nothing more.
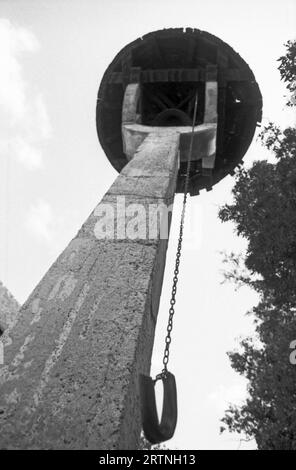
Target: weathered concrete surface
(130, 104)
(9, 308)
(70, 379)
(204, 139)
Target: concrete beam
(130, 104)
(204, 140)
(72, 361)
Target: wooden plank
(176, 75)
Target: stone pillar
(71, 363)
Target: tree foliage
(264, 212)
(287, 70)
(146, 445)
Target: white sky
(53, 171)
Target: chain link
(168, 338)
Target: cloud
(40, 118)
(13, 41)
(224, 395)
(24, 119)
(39, 221)
(23, 151)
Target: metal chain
(168, 338)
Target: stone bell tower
(72, 361)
